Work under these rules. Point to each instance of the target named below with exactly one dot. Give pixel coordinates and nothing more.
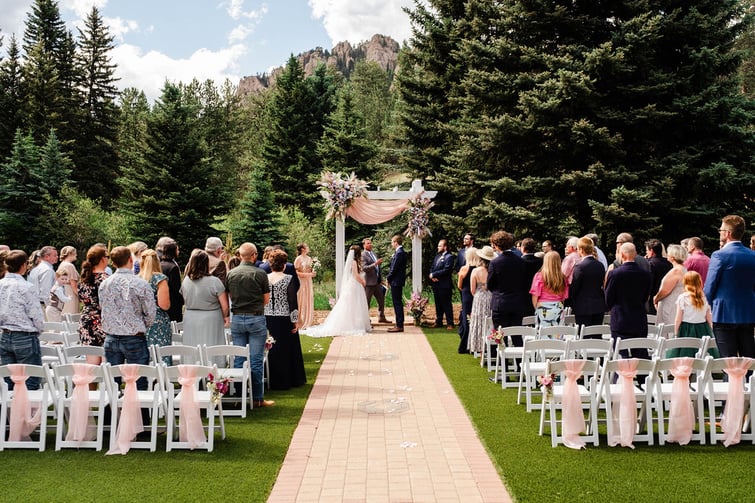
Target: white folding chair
(177, 329)
(632, 345)
(223, 356)
(553, 400)
(72, 322)
(77, 405)
(695, 346)
(589, 349)
(560, 332)
(662, 331)
(55, 338)
(595, 332)
(185, 440)
(535, 355)
(55, 326)
(529, 321)
(152, 398)
(570, 320)
(52, 354)
(74, 354)
(613, 386)
(36, 405)
(507, 356)
(664, 396)
(652, 319)
(718, 392)
(179, 354)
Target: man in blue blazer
(627, 288)
(730, 289)
(507, 282)
(440, 278)
(396, 278)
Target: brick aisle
(383, 424)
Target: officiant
(373, 282)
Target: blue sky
(217, 39)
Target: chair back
(588, 349)
(559, 332)
(649, 344)
(73, 353)
(592, 331)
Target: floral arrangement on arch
(419, 217)
(217, 386)
(496, 336)
(339, 192)
(416, 306)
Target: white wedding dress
(350, 315)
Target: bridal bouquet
(316, 264)
(217, 387)
(339, 192)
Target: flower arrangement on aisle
(546, 384)
(419, 217)
(269, 342)
(496, 336)
(217, 387)
(416, 306)
(339, 192)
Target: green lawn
(534, 471)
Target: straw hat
(486, 253)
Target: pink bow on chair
(78, 422)
(731, 423)
(625, 424)
(573, 419)
(22, 420)
(190, 419)
(681, 418)
(130, 422)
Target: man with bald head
(627, 288)
(249, 290)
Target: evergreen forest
(546, 118)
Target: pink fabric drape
(573, 419)
(22, 420)
(681, 418)
(190, 419)
(130, 421)
(79, 417)
(624, 419)
(366, 211)
(731, 423)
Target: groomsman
(461, 257)
(440, 276)
(396, 278)
(373, 285)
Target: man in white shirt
(42, 277)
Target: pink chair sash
(78, 430)
(624, 420)
(681, 419)
(731, 423)
(130, 421)
(190, 419)
(22, 420)
(573, 419)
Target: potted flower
(416, 306)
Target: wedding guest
(281, 314)
(289, 269)
(215, 249)
(697, 260)
(21, 317)
(693, 315)
(167, 250)
(128, 309)
(58, 297)
(206, 303)
(464, 284)
(547, 246)
(68, 256)
(160, 332)
(305, 297)
(42, 277)
(586, 290)
(90, 323)
(672, 285)
(249, 291)
(549, 290)
(659, 266)
(506, 282)
(601, 257)
(461, 257)
(480, 318)
(440, 277)
(571, 258)
(136, 248)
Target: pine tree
(258, 222)
(20, 194)
(96, 158)
(10, 97)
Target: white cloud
(83, 7)
(149, 71)
(357, 21)
(12, 17)
(235, 9)
(239, 33)
(118, 26)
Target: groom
(396, 278)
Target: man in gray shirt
(43, 276)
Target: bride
(350, 315)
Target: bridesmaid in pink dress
(305, 297)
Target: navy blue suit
(730, 289)
(510, 298)
(396, 278)
(441, 269)
(588, 300)
(627, 288)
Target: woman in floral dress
(305, 295)
(90, 324)
(159, 332)
(481, 317)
